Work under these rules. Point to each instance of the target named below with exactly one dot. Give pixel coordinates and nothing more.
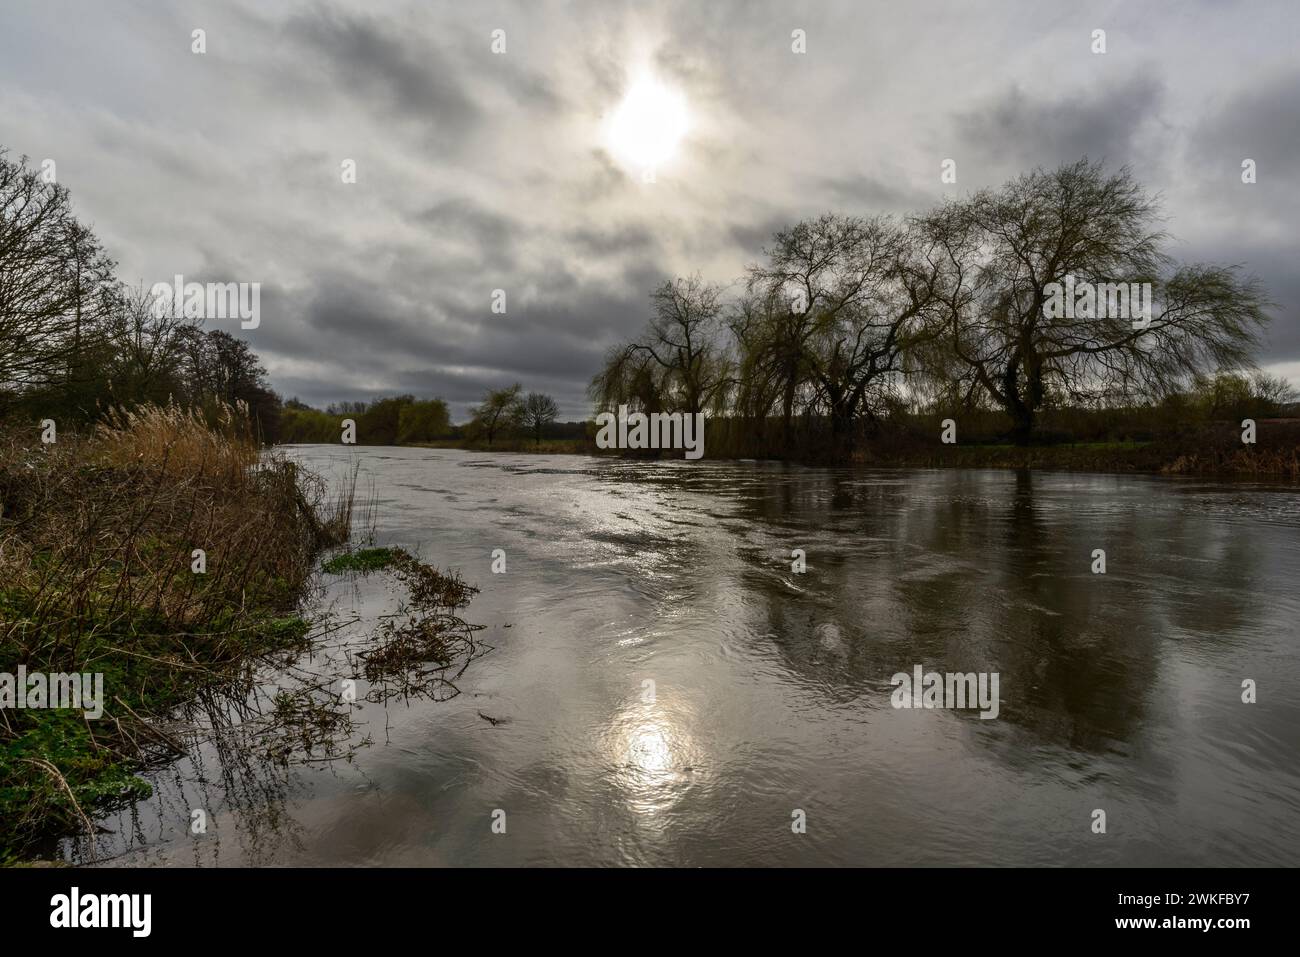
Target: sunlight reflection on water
(1119, 690)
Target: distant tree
(1274, 393)
(500, 411)
(219, 368)
(1232, 395)
(353, 408)
(380, 423)
(423, 421)
(147, 348)
(392, 420)
(539, 412)
(301, 423)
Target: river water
(668, 690)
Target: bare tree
(148, 344)
(1004, 248)
(844, 299)
(500, 410)
(56, 283)
(1274, 392)
(539, 411)
(680, 363)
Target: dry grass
(98, 540)
(177, 442)
(100, 536)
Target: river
(666, 689)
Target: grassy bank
(1205, 449)
(1212, 449)
(160, 552)
(544, 447)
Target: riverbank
(158, 557)
(1214, 449)
(544, 447)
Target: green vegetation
(98, 540)
(571, 446)
(363, 561)
(397, 420)
(506, 420)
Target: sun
(647, 128)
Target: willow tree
(679, 363)
(845, 299)
(1011, 250)
(768, 370)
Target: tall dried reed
(161, 550)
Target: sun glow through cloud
(646, 129)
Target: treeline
(506, 414)
(389, 421)
(850, 325)
(77, 343)
(79, 346)
(846, 327)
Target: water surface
(771, 689)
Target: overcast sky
(479, 171)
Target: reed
(162, 550)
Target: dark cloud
(862, 194)
(492, 233)
(478, 172)
(385, 64)
(1018, 131)
(1260, 122)
(602, 241)
(755, 237)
